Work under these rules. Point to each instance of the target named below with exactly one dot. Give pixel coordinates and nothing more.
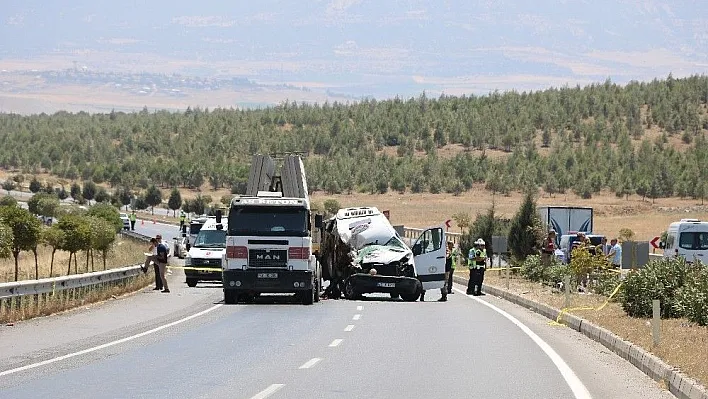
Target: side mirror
(218, 216)
(417, 249)
(319, 221)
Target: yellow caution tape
(205, 269)
(500, 268)
(567, 310)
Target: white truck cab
(687, 238)
(206, 253)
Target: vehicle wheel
(230, 298)
(350, 290)
(192, 282)
(248, 298)
(308, 297)
(410, 297)
(395, 295)
(316, 288)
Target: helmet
(479, 242)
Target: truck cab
(204, 259)
(687, 238)
(269, 249)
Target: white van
(206, 253)
(687, 238)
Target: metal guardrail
(14, 294)
(51, 285)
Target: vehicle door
(429, 257)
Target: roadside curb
(679, 384)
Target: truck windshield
(268, 221)
(211, 239)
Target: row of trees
(77, 230)
(595, 137)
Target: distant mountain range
(360, 48)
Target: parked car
(126, 221)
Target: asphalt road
(187, 344)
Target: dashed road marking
(336, 342)
(268, 391)
(349, 328)
(356, 317)
(310, 363)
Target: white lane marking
(359, 308)
(356, 317)
(109, 344)
(310, 363)
(577, 386)
(349, 328)
(336, 342)
(268, 391)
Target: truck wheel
(308, 297)
(230, 298)
(395, 295)
(192, 282)
(316, 288)
(410, 297)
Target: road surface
(188, 344)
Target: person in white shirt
(615, 255)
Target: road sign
(655, 242)
(447, 223)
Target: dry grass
(611, 213)
(126, 251)
(683, 344)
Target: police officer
(448, 272)
(131, 217)
(477, 263)
(182, 216)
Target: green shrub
(534, 270)
(606, 282)
(660, 279)
(692, 298)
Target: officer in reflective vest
(182, 216)
(477, 263)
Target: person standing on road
(149, 255)
(448, 272)
(161, 257)
(182, 217)
(132, 220)
(455, 255)
(477, 267)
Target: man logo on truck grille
(267, 257)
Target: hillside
(647, 138)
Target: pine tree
(523, 232)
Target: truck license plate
(267, 275)
(386, 285)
